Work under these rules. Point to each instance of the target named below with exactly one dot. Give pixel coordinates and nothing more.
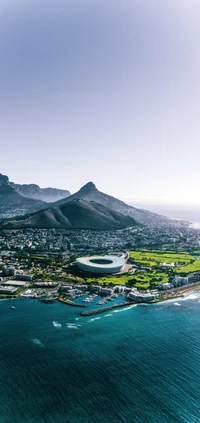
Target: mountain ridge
(35, 192)
(12, 203)
(91, 193)
(76, 214)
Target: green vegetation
(140, 281)
(156, 258)
(183, 263)
(193, 267)
(56, 276)
(45, 268)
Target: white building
(137, 296)
(105, 291)
(102, 264)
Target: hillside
(73, 215)
(18, 200)
(89, 192)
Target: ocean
(134, 364)
(188, 212)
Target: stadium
(102, 264)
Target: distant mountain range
(75, 214)
(18, 200)
(33, 191)
(95, 210)
(13, 204)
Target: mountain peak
(88, 187)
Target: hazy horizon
(175, 210)
(106, 91)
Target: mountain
(76, 214)
(89, 192)
(13, 204)
(17, 200)
(4, 181)
(33, 191)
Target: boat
(13, 308)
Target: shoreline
(181, 293)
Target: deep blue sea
(135, 364)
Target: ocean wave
(7, 299)
(177, 304)
(57, 325)
(72, 326)
(125, 309)
(95, 318)
(37, 342)
(192, 296)
(108, 315)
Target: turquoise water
(137, 364)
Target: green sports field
(183, 263)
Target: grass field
(193, 267)
(151, 279)
(141, 281)
(155, 258)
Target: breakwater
(102, 310)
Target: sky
(102, 90)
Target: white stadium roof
(102, 264)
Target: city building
(15, 283)
(140, 297)
(7, 289)
(20, 277)
(8, 271)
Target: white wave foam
(72, 326)
(125, 309)
(191, 297)
(177, 304)
(95, 318)
(57, 325)
(37, 342)
(108, 315)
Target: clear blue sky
(102, 90)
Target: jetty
(102, 310)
